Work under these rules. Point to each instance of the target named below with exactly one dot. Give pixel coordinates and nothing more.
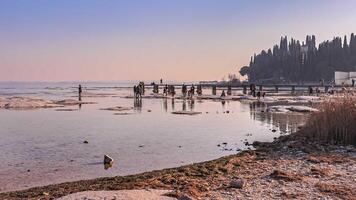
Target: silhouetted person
(173, 90)
(80, 92)
(184, 90)
(253, 90)
(135, 91)
(258, 95)
(263, 94)
(199, 90)
(317, 90)
(161, 81)
(310, 90)
(229, 90)
(192, 89)
(353, 82)
(223, 94)
(214, 89)
(165, 90)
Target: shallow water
(44, 146)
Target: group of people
(139, 90)
(169, 90)
(191, 91)
(260, 93)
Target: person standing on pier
(353, 82)
(80, 92)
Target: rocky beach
(290, 167)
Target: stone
(86, 142)
(238, 183)
(108, 160)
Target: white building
(344, 78)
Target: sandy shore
(290, 167)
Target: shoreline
(289, 167)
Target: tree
(303, 62)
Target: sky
(180, 40)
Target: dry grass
(287, 176)
(335, 123)
(343, 191)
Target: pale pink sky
(183, 41)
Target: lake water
(44, 146)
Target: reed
(335, 123)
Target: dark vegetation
(335, 123)
(295, 62)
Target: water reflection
(138, 104)
(191, 104)
(186, 104)
(172, 104)
(107, 166)
(165, 104)
(285, 123)
(223, 104)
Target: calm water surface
(45, 146)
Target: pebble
(238, 183)
(108, 159)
